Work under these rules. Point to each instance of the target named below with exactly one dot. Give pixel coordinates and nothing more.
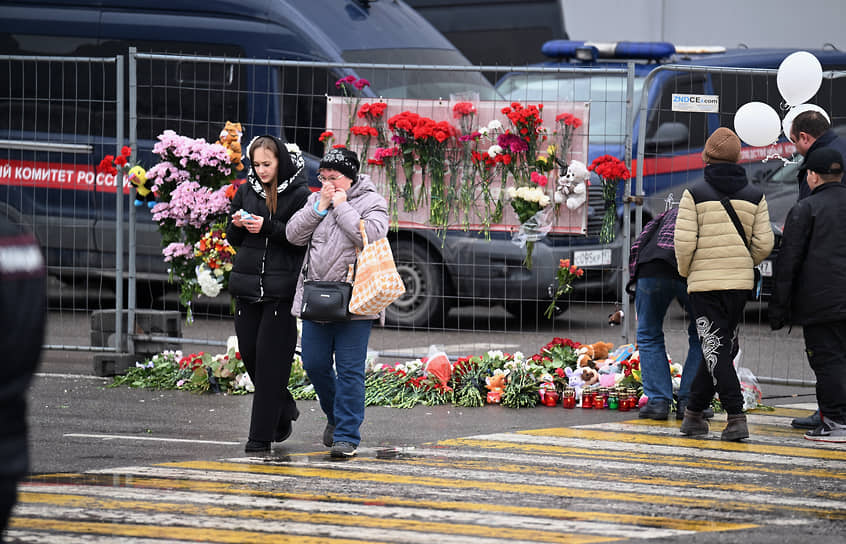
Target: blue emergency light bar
(590, 51)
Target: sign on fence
(473, 198)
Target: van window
(303, 100)
(192, 98)
(606, 94)
(696, 123)
(423, 84)
(55, 97)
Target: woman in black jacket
(263, 281)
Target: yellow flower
(550, 150)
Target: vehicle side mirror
(669, 134)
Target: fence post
(119, 135)
(627, 214)
(133, 245)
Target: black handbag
(758, 280)
(324, 300)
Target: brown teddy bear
(230, 138)
(597, 351)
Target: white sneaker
(829, 431)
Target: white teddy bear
(572, 186)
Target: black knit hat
(824, 160)
(341, 160)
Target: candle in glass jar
(613, 400)
(569, 398)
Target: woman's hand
(339, 197)
(326, 194)
(253, 224)
(236, 219)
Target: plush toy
(589, 353)
(137, 176)
(495, 386)
(230, 138)
(572, 185)
(579, 378)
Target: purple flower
(512, 142)
(397, 139)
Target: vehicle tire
(421, 270)
(532, 312)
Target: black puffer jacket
(810, 272)
(23, 309)
(828, 139)
(266, 265)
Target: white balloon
(799, 77)
(757, 124)
(787, 123)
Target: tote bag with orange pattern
(376, 284)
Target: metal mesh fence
(468, 288)
(57, 120)
(671, 161)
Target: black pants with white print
(267, 339)
(717, 314)
(825, 345)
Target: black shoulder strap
(735, 219)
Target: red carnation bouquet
(611, 171)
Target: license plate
(595, 257)
(766, 268)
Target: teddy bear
(495, 386)
(589, 353)
(572, 185)
(579, 378)
(230, 138)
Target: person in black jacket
(808, 286)
(655, 276)
(811, 131)
(23, 309)
(263, 281)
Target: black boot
(285, 427)
(257, 446)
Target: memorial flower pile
(199, 372)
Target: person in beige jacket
(719, 267)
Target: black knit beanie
(341, 160)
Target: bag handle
(363, 232)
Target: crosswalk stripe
(759, 434)
(670, 465)
(35, 537)
(813, 453)
(691, 449)
(304, 525)
(512, 528)
(196, 486)
(530, 486)
(572, 487)
(234, 536)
